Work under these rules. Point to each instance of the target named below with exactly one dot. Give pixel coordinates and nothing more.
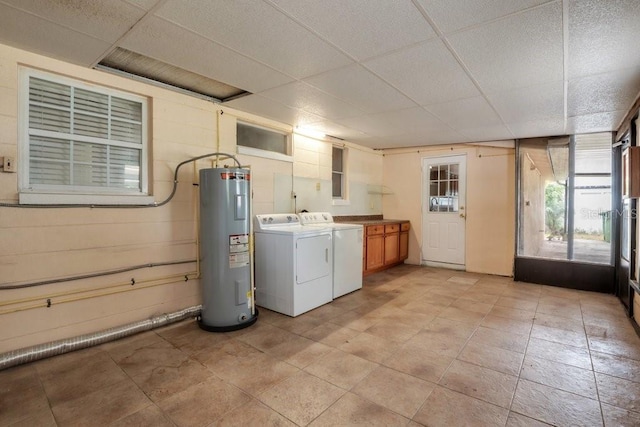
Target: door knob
(462, 215)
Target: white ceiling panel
(427, 73)
(411, 120)
(362, 28)
(517, 51)
(46, 38)
(603, 92)
(535, 128)
(331, 128)
(603, 36)
(487, 133)
(598, 122)
(261, 106)
(466, 113)
(282, 44)
(420, 139)
(454, 16)
(308, 98)
(166, 42)
(534, 102)
(362, 88)
(106, 21)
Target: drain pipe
(55, 348)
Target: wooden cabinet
(385, 245)
(374, 247)
(404, 241)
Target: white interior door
(443, 210)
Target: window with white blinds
(82, 139)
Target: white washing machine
(347, 251)
(293, 264)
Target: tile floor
(416, 346)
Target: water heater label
(238, 250)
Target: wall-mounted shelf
(379, 189)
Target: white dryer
(347, 251)
(293, 264)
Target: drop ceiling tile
(598, 122)
(553, 126)
(426, 73)
(465, 14)
(47, 38)
(362, 28)
(530, 103)
(261, 106)
(466, 113)
(166, 42)
(601, 36)
(518, 51)
(258, 30)
(604, 92)
(411, 120)
(361, 88)
(425, 139)
(487, 133)
(106, 21)
(336, 130)
(305, 97)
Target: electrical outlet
(9, 164)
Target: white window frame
(73, 194)
(267, 154)
(344, 199)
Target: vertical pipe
(569, 195)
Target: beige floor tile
(573, 338)
(462, 280)
(438, 343)
(501, 339)
(297, 325)
(409, 318)
(616, 366)
(451, 328)
(124, 347)
(459, 315)
(562, 307)
(165, 381)
(299, 351)
(619, 417)
(265, 336)
(302, 397)
(355, 320)
(102, 406)
(21, 395)
(419, 362)
(253, 413)
(149, 416)
(190, 339)
(555, 406)
(482, 383)
(446, 407)
(473, 295)
(629, 348)
(470, 305)
(519, 420)
(203, 403)
(75, 380)
(498, 359)
(391, 331)
(553, 321)
(618, 392)
(433, 298)
(145, 359)
(513, 313)
(508, 325)
(520, 303)
(423, 307)
(353, 410)
(557, 352)
(399, 392)
(331, 334)
(341, 369)
(558, 375)
(370, 347)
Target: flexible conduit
(55, 348)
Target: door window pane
(443, 188)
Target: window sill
(340, 202)
(83, 199)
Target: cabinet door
(404, 245)
(375, 251)
(391, 248)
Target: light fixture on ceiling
(139, 67)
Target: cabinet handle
(326, 255)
